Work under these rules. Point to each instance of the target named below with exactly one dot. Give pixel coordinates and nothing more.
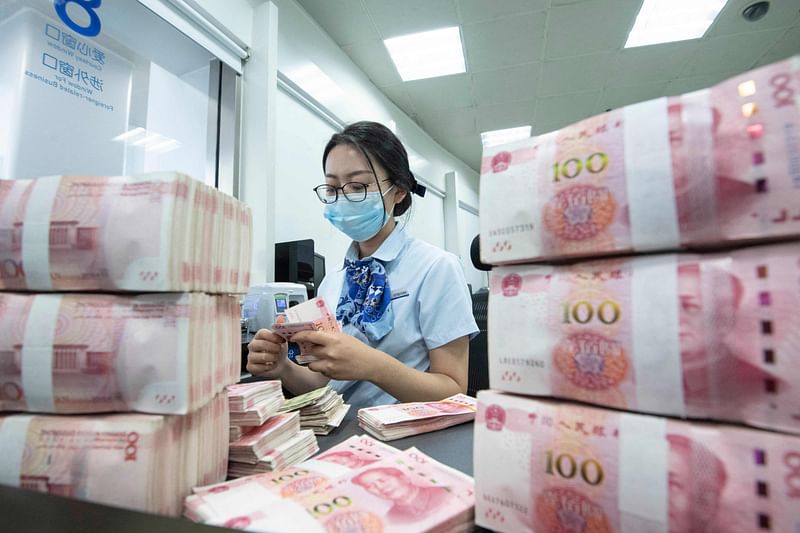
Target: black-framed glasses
(353, 192)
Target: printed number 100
(571, 168)
(582, 312)
(565, 466)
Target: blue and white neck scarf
(366, 298)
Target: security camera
(755, 11)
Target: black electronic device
(296, 262)
(319, 270)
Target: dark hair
(377, 142)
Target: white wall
(234, 15)
(302, 41)
(468, 227)
(425, 219)
(259, 139)
(351, 96)
(300, 136)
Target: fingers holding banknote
(339, 355)
(267, 354)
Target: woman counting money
(404, 305)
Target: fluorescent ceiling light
(665, 21)
(493, 138)
(427, 54)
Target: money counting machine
(263, 304)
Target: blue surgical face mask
(359, 220)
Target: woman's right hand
(267, 354)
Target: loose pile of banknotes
(138, 342)
(358, 485)
(321, 410)
(261, 438)
(396, 421)
(705, 329)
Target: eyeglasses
(353, 192)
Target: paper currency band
(37, 352)
(36, 233)
(656, 335)
(643, 496)
(13, 435)
(648, 176)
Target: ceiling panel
(346, 21)
(375, 61)
(498, 116)
(616, 97)
(556, 3)
(505, 41)
(545, 62)
(465, 147)
(645, 64)
(565, 108)
(782, 13)
(394, 18)
(452, 122)
(480, 10)
(543, 127)
(574, 74)
(399, 95)
(694, 83)
(787, 45)
(446, 92)
(506, 85)
(731, 52)
(589, 27)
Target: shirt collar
(387, 251)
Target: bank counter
(25, 511)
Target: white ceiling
(546, 63)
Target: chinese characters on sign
(80, 53)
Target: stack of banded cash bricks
(118, 335)
(644, 333)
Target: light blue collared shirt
(431, 303)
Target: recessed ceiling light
(662, 21)
(493, 138)
(427, 54)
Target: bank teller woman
(404, 305)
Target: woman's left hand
(341, 356)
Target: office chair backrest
(478, 346)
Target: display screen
(280, 304)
